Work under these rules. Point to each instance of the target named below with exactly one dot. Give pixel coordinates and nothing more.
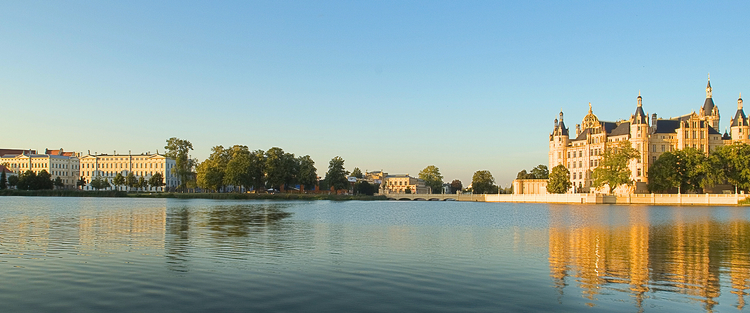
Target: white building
(64, 166)
(144, 165)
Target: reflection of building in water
(106, 229)
(681, 257)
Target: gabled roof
(639, 117)
(583, 135)
(712, 131)
(609, 126)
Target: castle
(651, 136)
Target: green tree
(3, 181)
(59, 182)
(540, 172)
(456, 186)
(209, 176)
(99, 183)
(44, 180)
(118, 181)
(142, 182)
(730, 164)
(363, 187)
(258, 169)
(357, 173)
(130, 180)
(81, 182)
(308, 175)
(524, 175)
(336, 175)
(687, 169)
(613, 169)
(237, 172)
(482, 182)
(559, 180)
(281, 168)
(156, 181)
(178, 150)
(432, 178)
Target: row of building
(652, 136)
(71, 166)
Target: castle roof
(708, 106)
(739, 118)
(639, 117)
(622, 129)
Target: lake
(170, 255)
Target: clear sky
(391, 85)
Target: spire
(639, 99)
(708, 87)
(590, 111)
(739, 102)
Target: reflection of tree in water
(235, 232)
(241, 220)
(177, 243)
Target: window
(639, 172)
(653, 159)
(580, 164)
(580, 153)
(568, 154)
(662, 148)
(654, 146)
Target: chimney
(578, 130)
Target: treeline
(690, 170)
(275, 169)
(30, 180)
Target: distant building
(65, 167)
(399, 184)
(650, 136)
(375, 177)
(16, 151)
(144, 165)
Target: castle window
(662, 148)
(568, 154)
(580, 153)
(702, 134)
(654, 146)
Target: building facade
(65, 167)
(399, 184)
(145, 165)
(650, 136)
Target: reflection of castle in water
(685, 256)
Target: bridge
(434, 197)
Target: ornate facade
(651, 136)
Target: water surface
(126, 255)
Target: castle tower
(558, 143)
(739, 127)
(709, 110)
(639, 131)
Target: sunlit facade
(65, 167)
(651, 136)
(145, 165)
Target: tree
(363, 187)
(730, 164)
(237, 172)
(524, 175)
(3, 181)
(44, 180)
(357, 173)
(540, 172)
(130, 180)
(281, 168)
(99, 183)
(257, 169)
(118, 181)
(178, 150)
(209, 176)
(308, 175)
(156, 180)
(142, 183)
(432, 178)
(613, 169)
(482, 182)
(665, 173)
(81, 182)
(559, 180)
(336, 175)
(456, 186)
(59, 182)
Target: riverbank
(227, 196)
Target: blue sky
(391, 85)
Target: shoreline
(176, 195)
